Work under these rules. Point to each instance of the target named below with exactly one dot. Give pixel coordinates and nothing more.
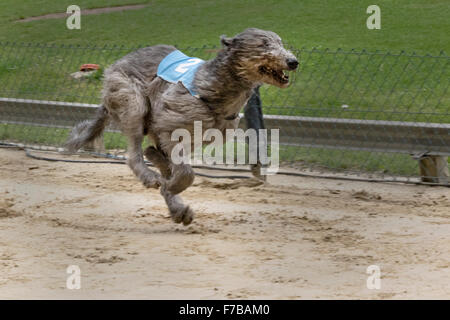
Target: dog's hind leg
(149, 178)
(127, 105)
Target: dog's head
(260, 56)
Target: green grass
(49, 136)
(373, 86)
(387, 85)
(349, 161)
(420, 25)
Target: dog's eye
(265, 43)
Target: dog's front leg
(182, 177)
(178, 210)
(176, 178)
(159, 160)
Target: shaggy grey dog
(142, 103)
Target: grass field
(421, 25)
(396, 73)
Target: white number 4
(182, 68)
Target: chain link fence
(369, 114)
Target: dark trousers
(254, 116)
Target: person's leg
(254, 119)
(253, 112)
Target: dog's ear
(226, 42)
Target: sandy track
(289, 239)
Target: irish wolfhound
(142, 103)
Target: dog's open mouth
(278, 75)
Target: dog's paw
(185, 215)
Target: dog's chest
(234, 105)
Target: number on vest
(182, 68)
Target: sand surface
(292, 238)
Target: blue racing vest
(176, 67)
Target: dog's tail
(87, 131)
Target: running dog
(157, 89)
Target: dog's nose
(292, 63)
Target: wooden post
(434, 169)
